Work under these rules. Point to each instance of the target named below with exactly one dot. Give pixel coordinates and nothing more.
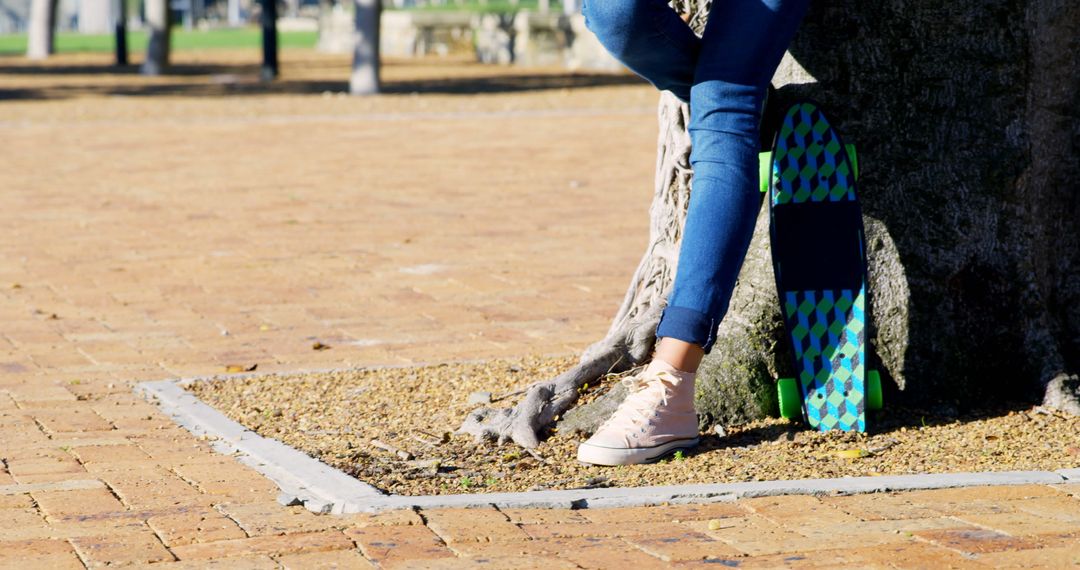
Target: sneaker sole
(611, 456)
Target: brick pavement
(151, 237)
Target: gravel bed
(392, 428)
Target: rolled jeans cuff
(687, 325)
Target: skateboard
(819, 260)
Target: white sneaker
(656, 418)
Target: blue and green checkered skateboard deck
(818, 249)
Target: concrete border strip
(324, 489)
(320, 487)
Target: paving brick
(71, 419)
(386, 545)
(270, 545)
(604, 530)
(1062, 508)
(328, 560)
(52, 554)
(1059, 557)
(198, 525)
(28, 469)
(255, 562)
(670, 513)
(1071, 489)
(28, 395)
(16, 501)
(544, 516)
(756, 535)
(1022, 523)
(269, 518)
(997, 493)
(521, 562)
(180, 450)
(151, 488)
(396, 517)
(686, 546)
(119, 549)
(22, 524)
(877, 532)
(227, 479)
(822, 559)
(93, 454)
(881, 506)
(58, 504)
(974, 541)
(472, 525)
(58, 477)
(793, 510)
(614, 553)
(910, 554)
(112, 524)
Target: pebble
(479, 398)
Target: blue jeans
(723, 76)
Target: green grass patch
(70, 42)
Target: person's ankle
(658, 365)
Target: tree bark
(41, 41)
(158, 25)
(966, 115)
(365, 68)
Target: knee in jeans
(611, 22)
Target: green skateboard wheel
(787, 392)
(873, 390)
(854, 158)
(764, 171)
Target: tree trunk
(365, 69)
(120, 32)
(268, 20)
(40, 43)
(966, 115)
(157, 48)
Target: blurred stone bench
(524, 38)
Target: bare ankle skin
(685, 356)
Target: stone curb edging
(320, 487)
(324, 489)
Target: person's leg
(648, 37)
(743, 43)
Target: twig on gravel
(884, 445)
(425, 440)
(595, 483)
(386, 446)
(536, 456)
(508, 394)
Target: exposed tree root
(1063, 393)
(547, 399)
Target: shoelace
(635, 384)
